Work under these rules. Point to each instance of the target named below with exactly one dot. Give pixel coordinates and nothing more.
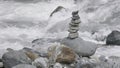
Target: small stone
(76, 22)
(73, 24)
(24, 66)
(73, 35)
(41, 62)
(74, 13)
(10, 50)
(75, 18)
(1, 64)
(72, 31)
(32, 55)
(73, 28)
(58, 65)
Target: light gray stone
(72, 31)
(76, 21)
(74, 28)
(1, 64)
(81, 47)
(24, 66)
(73, 35)
(58, 65)
(41, 62)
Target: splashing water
(22, 22)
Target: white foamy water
(22, 22)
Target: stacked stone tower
(74, 26)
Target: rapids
(22, 21)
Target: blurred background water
(22, 21)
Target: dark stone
(13, 58)
(59, 8)
(75, 17)
(75, 13)
(113, 38)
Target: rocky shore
(69, 52)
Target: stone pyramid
(74, 25)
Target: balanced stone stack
(81, 47)
(74, 25)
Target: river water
(22, 21)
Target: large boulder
(13, 58)
(81, 47)
(61, 54)
(113, 38)
(24, 66)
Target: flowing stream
(22, 21)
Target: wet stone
(73, 28)
(77, 22)
(75, 18)
(73, 35)
(74, 24)
(72, 31)
(74, 13)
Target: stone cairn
(74, 25)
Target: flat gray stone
(73, 28)
(72, 31)
(77, 21)
(73, 24)
(81, 47)
(73, 35)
